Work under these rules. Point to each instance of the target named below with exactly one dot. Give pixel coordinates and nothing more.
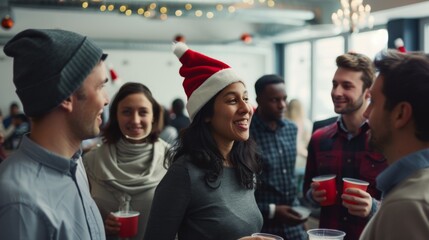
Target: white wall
(158, 68)
(7, 89)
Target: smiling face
(232, 115)
(346, 93)
(91, 97)
(135, 117)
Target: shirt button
(372, 165)
(284, 171)
(345, 218)
(280, 151)
(349, 160)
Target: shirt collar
(343, 130)
(47, 158)
(402, 169)
(256, 119)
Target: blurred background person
(128, 166)
(179, 119)
(168, 133)
(4, 133)
(21, 126)
(296, 114)
(13, 110)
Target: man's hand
(361, 202)
(288, 216)
(318, 196)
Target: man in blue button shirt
(44, 193)
(399, 120)
(276, 139)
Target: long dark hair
(112, 133)
(197, 142)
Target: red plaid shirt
(332, 152)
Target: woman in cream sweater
(128, 166)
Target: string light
(152, 10)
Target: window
(298, 73)
(425, 39)
(369, 43)
(325, 53)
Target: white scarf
(127, 167)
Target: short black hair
(406, 79)
(178, 106)
(265, 80)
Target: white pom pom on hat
(399, 44)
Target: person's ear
(67, 104)
(403, 113)
(367, 93)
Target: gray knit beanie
(49, 65)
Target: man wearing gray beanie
(44, 193)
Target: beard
(379, 141)
(351, 107)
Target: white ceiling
(288, 21)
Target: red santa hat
(204, 77)
(399, 44)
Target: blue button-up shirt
(277, 149)
(46, 196)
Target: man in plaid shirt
(276, 139)
(342, 149)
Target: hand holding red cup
(354, 183)
(129, 223)
(326, 183)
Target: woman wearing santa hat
(208, 191)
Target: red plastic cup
(327, 183)
(129, 223)
(354, 183)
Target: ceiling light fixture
(353, 16)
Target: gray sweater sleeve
(170, 202)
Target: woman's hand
(112, 225)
